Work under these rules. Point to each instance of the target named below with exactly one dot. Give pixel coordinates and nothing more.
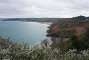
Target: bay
(27, 32)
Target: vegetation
(70, 47)
(79, 18)
(76, 38)
(43, 54)
(22, 52)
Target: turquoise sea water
(28, 32)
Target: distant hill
(33, 19)
(46, 19)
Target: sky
(43, 8)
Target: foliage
(80, 43)
(46, 54)
(79, 17)
(23, 53)
(85, 40)
(75, 43)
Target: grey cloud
(43, 8)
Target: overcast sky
(43, 8)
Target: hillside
(61, 32)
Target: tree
(74, 43)
(79, 17)
(85, 40)
(80, 43)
